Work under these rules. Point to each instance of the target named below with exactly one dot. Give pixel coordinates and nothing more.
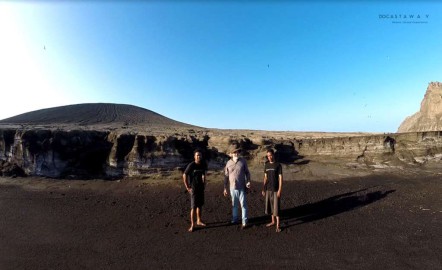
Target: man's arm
(186, 184)
(280, 181)
(186, 178)
(264, 185)
(280, 186)
(247, 172)
(226, 179)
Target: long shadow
(326, 208)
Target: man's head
(234, 152)
(198, 156)
(271, 155)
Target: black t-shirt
(195, 173)
(273, 170)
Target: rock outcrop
(108, 141)
(429, 117)
(90, 154)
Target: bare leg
(271, 223)
(278, 229)
(191, 220)
(198, 217)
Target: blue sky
(333, 66)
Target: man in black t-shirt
(194, 179)
(272, 188)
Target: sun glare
(24, 85)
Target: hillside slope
(93, 114)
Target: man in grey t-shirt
(237, 181)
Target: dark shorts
(197, 198)
(272, 203)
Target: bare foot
(201, 224)
(270, 224)
(191, 229)
(278, 229)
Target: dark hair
(197, 151)
(270, 151)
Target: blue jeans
(239, 198)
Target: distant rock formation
(429, 118)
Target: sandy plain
(380, 221)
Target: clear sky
(332, 66)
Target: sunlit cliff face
(431, 105)
(429, 117)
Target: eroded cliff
(113, 154)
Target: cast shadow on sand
(326, 208)
(314, 211)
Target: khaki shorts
(272, 203)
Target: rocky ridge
(429, 117)
(115, 154)
(116, 150)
